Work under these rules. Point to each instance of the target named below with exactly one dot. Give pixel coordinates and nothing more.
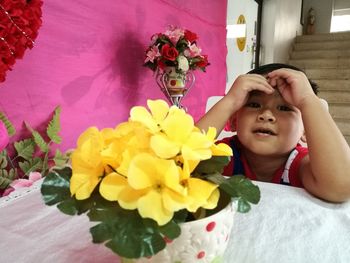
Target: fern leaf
(39, 140)
(54, 127)
(9, 126)
(31, 165)
(6, 178)
(25, 148)
(61, 159)
(3, 159)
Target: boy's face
(267, 125)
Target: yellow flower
(180, 136)
(87, 165)
(152, 120)
(221, 149)
(161, 181)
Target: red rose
(203, 62)
(190, 36)
(161, 64)
(169, 53)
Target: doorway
(243, 38)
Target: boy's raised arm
(326, 171)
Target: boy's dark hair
(265, 69)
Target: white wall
(280, 25)
(323, 12)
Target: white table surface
(288, 225)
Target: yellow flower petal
(159, 109)
(141, 115)
(221, 149)
(173, 201)
(213, 199)
(151, 206)
(178, 125)
(112, 185)
(163, 147)
(199, 191)
(211, 133)
(128, 197)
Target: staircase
(326, 60)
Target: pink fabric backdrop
(88, 58)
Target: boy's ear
(232, 123)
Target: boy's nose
(266, 115)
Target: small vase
(202, 240)
(175, 85)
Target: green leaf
(31, 165)
(25, 148)
(55, 190)
(215, 164)
(125, 232)
(9, 126)
(240, 186)
(3, 159)
(6, 177)
(243, 206)
(61, 159)
(171, 230)
(54, 127)
(39, 140)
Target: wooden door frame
(258, 33)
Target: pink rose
(4, 136)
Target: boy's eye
(284, 108)
(253, 105)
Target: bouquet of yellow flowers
(141, 179)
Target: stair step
(335, 96)
(328, 73)
(334, 84)
(339, 110)
(316, 54)
(324, 37)
(322, 45)
(321, 63)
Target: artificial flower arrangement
(20, 22)
(25, 161)
(176, 47)
(143, 178)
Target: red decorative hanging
(20, 21)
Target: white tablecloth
(288, 225)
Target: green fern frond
(6, 177)
(9, 126)
(31, 165)
(54, 127)
(25, 148)
(61, 159)
(39, 140)
(3, 159)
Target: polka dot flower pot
(202, 240)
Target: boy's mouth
(264, 131)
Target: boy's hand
(293, 86)
(244, 84)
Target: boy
(272, 108)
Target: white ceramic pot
(203, 240)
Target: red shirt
(286, 174)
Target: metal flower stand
(175, 85)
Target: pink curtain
(88, 59)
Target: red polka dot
(173, 82)
(201, 255)
(167, 240)
(210, 226)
